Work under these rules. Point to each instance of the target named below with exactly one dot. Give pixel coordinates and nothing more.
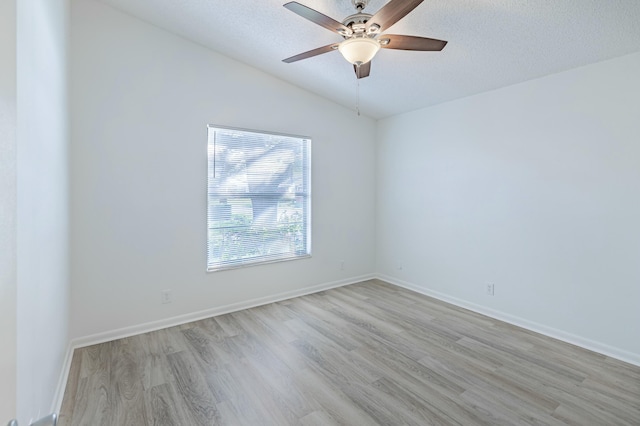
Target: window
(258, 198)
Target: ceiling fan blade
(405, 42)
(312, 53)
(318, 18)
(392, 12)
(363, 70)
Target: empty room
(322, 212)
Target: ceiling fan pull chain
(358, 93)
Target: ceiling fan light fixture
(358, 51)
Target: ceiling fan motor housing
(357, 23)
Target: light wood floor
(365, 354)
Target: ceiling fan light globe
(358, 51)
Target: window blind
(258, 197)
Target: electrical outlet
(342, 265)
(399, 267)
(490, 289)
(165, 296)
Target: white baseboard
(62, 380)
(207, 313)
(120, 333)
(573, 339)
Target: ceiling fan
(362, 33)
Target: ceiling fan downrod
(359, 4)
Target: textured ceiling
(492, 43)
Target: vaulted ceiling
(492, 43)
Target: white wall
(7, 209)
(533, 187)
(42, 203)
(141, 99)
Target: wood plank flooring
(366, 354)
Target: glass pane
(234, 235)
